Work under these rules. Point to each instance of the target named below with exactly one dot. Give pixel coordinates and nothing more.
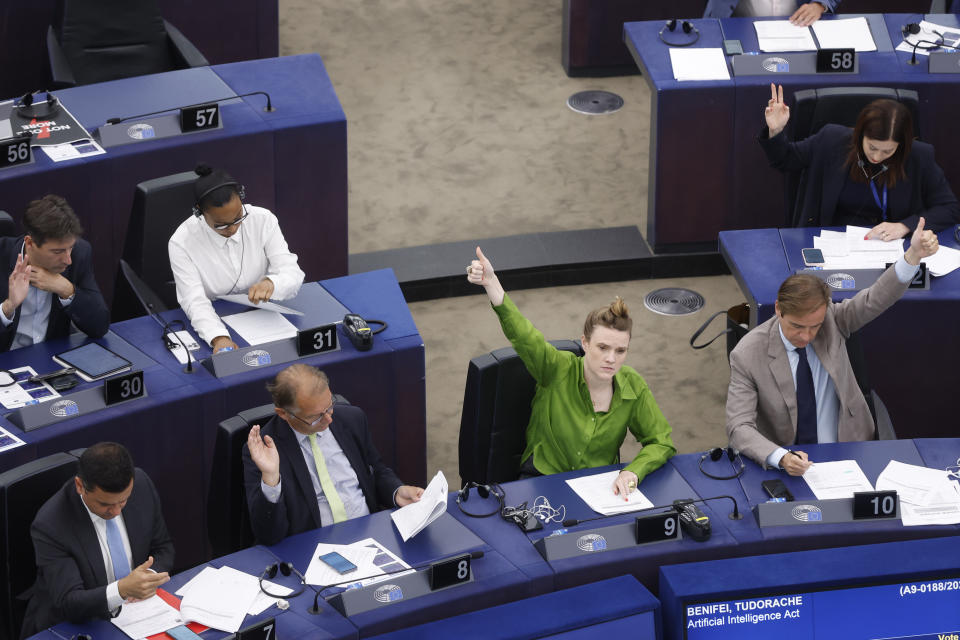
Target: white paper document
(849, 250)
(8, 440)
(147, 617)
(25, 392)
(781, 35)
(838, 479)
(260, 326)
(220, 599)
(699, 64)
(945, 260)
(927, 496)
(362, 555)
(260, 603)
(242, 298)
(929, 36)
(72, 150)
(597, 492)
(185, 339)
(414, 518)
(851, 33)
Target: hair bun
(619, 308)
(203, 170)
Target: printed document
(597, 492)
(851, 33)
(414, 518)
(242, 298)
(388, 566)
(927, 496)
(220, 599)
(260, 603)
(926, 39)
(362, 555)
(260, 326)
(838, 479)
(781, 35)
(699, 64)
(147, 617)
(945, 260)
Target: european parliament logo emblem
(256, 358)
(775, 64)
(140, 131)
(841, 281)
(64, 408)
(807, 513)
(592, 542)
(388, 593)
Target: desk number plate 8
(450, 572)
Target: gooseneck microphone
(267, 108)
(734, 515)
(913, 29)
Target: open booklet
(414, 518)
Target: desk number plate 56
(14, 151)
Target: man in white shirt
(802, 13)
(309, 466)
(99, 541)
(228, 247)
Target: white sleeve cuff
(773, 460)
(272, 494)
(4, 319)
(905, 270)
(113, 596)
(66, 301)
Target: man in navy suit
(310, 466)
(49, 281)
(99, 541)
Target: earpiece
(43, 111)
(484, 491)
(686, 26)
(285, 568)
(241, 192)
(716, 454)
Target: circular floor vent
(595, 103)
(673, 302)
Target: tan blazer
(762, 397)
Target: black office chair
(23, 491)
(228, 522)
(8, 227)
(496, 410)
(814, 108)
(883, 426)
(159, 206)
(98, 40)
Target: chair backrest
(496, 410)
(23, 490)
(859, 365)
(132, 297)
(8, 227)
(228, 522)
(110, 39)
(813, 108)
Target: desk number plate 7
(655, 528)
(263, 630)
(450, 572)
(14, 151)
(200, 117)
(123, 388)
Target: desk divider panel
(809, 512)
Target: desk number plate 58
(123, 388)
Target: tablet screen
(94, 361)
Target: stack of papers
(848, 249)
(781, 35)
(945, 260)
(927, 38)
(147, 617)
(372, 559)
(221, 598)
(699, 64)
(261, 326)
(260, 603)
(927, 496)
(414, 518)
(838, 479)
(852, 33)
(597, 492)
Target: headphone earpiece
(44, 111)
(716, 454)
(285, 568)
(686, 26)
(484, 491)
(671, 24)
(240, 189)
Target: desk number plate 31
(317, 340)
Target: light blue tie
(121, 567)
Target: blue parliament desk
(916, 339)
(592, 562)
(872, 457)
(707, 172)
(264, 151)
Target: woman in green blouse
(583, 406)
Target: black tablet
(93, 361)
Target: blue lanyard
(876, 198)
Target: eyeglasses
(326, 412)
(226, 225)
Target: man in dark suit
(49, 281)
(99, 541)
(309, 466)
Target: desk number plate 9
(450, 572)
(868, 505)
(836, 61)
(317, 340)
(123, 388)
(14, 151)
(658, 527)
(200, 117)
(263, 630)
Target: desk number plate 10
(122, 388)
(263, 630)
(450, 572)
(317, 340)
(658, 527)
(836, 61)
(868, 505)
(200, 117)
(14, 151)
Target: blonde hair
(614, 316)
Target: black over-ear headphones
(285, 568)
(41, 111)
(686, 26)
(485, 491)
(715, 454)
(241, 191)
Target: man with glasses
(313, 464)
(228, 247)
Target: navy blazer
(88, 310)
(296, 510)
(925, 192)
(724, 8)
(71, 580)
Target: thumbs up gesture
(480, 272)
(923, 244)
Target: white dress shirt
(338, 466)
(100, 525)
(206, 265)
(34, 316)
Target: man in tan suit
(783, 393)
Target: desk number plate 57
(123, 388)
(200, 117)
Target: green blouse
(565, 433)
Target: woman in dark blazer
(874, 175)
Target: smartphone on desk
(338, 563)
(776, 489)
(182, 633)
(813, 257)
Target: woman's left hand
(625, 484)
(888, 231)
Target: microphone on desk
(315, 609)
(913, 29)
(734, 515)
(268, 108)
